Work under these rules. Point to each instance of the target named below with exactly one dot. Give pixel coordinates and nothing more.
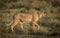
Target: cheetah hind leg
(14, 24)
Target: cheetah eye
(44, 12)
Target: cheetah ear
(42, 11)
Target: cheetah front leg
(35, 24)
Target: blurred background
(49, 24)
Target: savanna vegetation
(49, 24)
